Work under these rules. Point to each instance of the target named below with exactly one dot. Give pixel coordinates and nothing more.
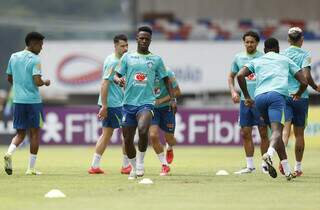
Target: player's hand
(103, 113)
(235, 97)
(248, 102)
(173, 105)
(318, 88)
(157, 102)
(46, 82)
(295, 97)
(120, 81)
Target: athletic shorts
(297, 111)
(249, 116)
(164, 118)
(27, 116)
(113, 119)
(271, 106)
(130, 113)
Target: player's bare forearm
(242, 81)
(168, 84)
(303, 82)
(231, 77)
(104, 92)
(307, 73)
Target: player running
(24, 73)
(249, 116)
(139, 68)
(110, 102)
(272, 72)
(296, 112)
(165, 119)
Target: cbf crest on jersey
(150, 64)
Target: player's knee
(143, 130)
(246, 135)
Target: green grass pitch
(192, 185)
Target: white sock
(250, 163)
(125, 161)
(286, 167)
(264, 164)
(162, 159)
(32, 160)
(140, 159)
(298, 166)
(96, 160)
(133, 163)
(271, 151)
(169, 147)
(11, 149)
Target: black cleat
(271, 170)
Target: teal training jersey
(140, 71)
(302, 58)
(272, 71)
(239, 61)
(115, 93)
(23, 66)
(160, 87)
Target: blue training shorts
(165, 119)
(130, 113)
(27, 116)
(271, 106)
(297, 111)
(113, 119)
(249, 116)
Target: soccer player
(249, 116)
(139, 68)
(296, 112)
(165, 119)
(24, 73)
(110, 102)
(272, 72)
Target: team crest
(150, 64)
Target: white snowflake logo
(51, 128)
(180, 127)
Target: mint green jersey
(302, 58)
(272, 71)
(140, 72)
(239, 61)
(115, 93)
(160, 87)
(23, 66)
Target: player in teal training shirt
(24, 73)
(139, 69)
(272, 72)
(248, 116)
(296, 112)
(110, 102)
(164, 118)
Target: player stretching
(249, 116)
(139, 69)
(165, 119)
(272, 71)
(296, 112)
(24, 73)
(110, 102)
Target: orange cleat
(298, 173)
(165, 170)
(92, 170)
(126, 170)
(169, 156)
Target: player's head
(271, 45)
(251, 40)
(120, 44)
(34, 42)
(295, 36)
(144, 38)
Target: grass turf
(192, 185)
